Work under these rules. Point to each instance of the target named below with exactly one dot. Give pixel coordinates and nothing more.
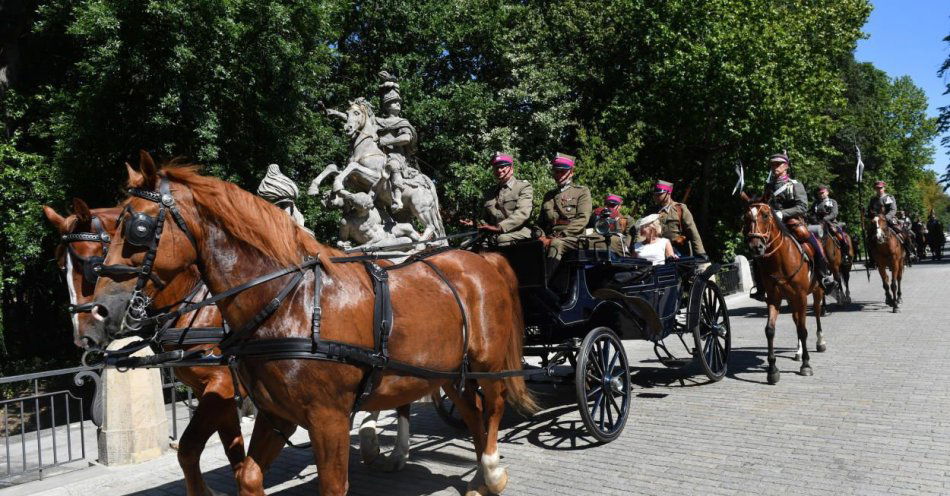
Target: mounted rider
(507, 207)
(825, 211)
(565, 212)
(677, 221)
(789, 201)
(621, 224)
(883, 203)
(397, 137)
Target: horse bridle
(92, 264)
(765, 237)
(145, 231)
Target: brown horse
(216, 411)
(239, 237)
(838, 263)
(888, 254)
(786, 274)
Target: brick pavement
(872, 420)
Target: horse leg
(773, 373)
(882, 270)
(495, 476)
(799, 314)
(265, 446)
(470, 409)
(820, 346)
(369, 441)
(397, 459)
(196, 435)
(330, 438)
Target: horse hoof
(476, 486)
(798, 357)
(498, 485)
(394, 463)
(774, 377)
(896, 310)
(806, 371)
(821, 347)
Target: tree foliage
(636, 89)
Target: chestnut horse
(236, 237)
(888, 254)
(786, 274)
(216, 411)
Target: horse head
(359, 116)
(759, 226)
(880, 225)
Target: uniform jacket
(887, 202)
(787, 196)
(679, 226)
(509, 205)
(565, 211)
(825, 210)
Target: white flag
(741, 183)
(859, 169)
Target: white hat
(647, 220)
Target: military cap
(880, 184)
(662, 186)
(615, 199)
(501, 160)
(779, 157)
(823, 187)
(562, 162)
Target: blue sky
(905, 38)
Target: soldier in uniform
(623, 223)
(397, 137)
(565, 212)
(789, 201)
(677, 221)
(886, 204)
(825, 211)
(507, 206)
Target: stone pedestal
(134, 427)
(745, 273)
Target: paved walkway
(874, 419)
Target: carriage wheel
(713, 335)
(602, 381)
(446, 410)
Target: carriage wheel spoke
(603, 405)
(594, 391)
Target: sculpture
(380, 167)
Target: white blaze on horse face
(755, 212)
(73, 299)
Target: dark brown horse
(786, 274)
(838, 263)
(239, 237)
(216, 411)
(888, 254)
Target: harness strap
(382, 327)
(236, 337)
(257, 281)
(463, 369)
(183, 336)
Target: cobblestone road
(874, 419)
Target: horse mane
(248, 217)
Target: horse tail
(519, 396)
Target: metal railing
(49, 424)
(45, 425)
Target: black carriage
(594, 300)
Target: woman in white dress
(654, 247)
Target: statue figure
(363, 224)
(281, 191)
(379, 164)
(397, 137)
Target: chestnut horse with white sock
(236, 237)
(786, 274)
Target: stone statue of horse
(366, 172)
